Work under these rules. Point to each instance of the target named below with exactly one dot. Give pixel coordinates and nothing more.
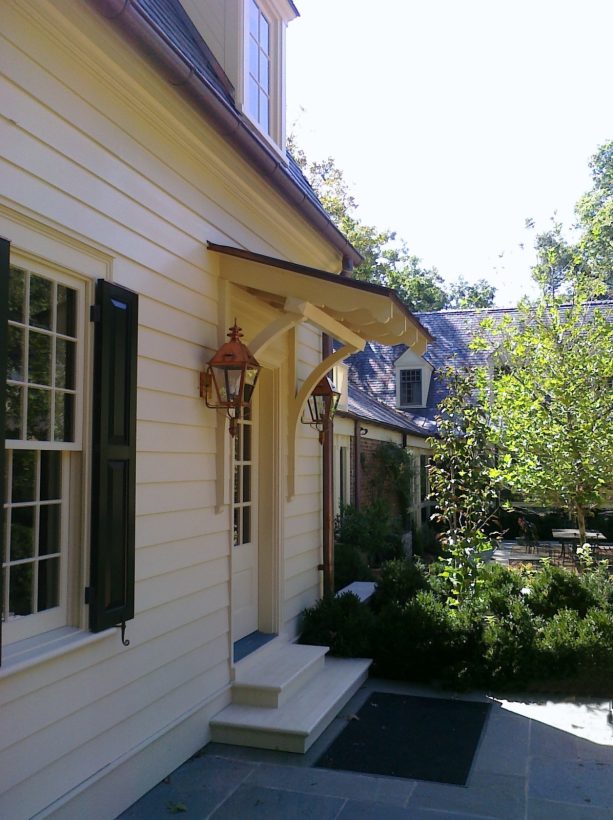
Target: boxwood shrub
(547, 630)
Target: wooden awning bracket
(298, 402)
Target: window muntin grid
(33, 538)
(242, 499)
(258, 75)
(43, 356)
(410, 387)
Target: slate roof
(171, 20)
(364, 407)
(372, 373)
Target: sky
(456, 120)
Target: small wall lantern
(321, 406)
(230, 378)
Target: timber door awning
(350, 311)
(371, 312)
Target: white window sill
(22, 655)
(265, 136)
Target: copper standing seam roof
(330, 278)
(325, 276)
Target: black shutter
(111, 593)
(5, 247)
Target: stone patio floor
(544, 759)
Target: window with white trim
(43, 440)
(410, 387)
(258, 91)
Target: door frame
(269, 495)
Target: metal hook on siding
(124, 641)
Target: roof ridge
(496, 309)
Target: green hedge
(549, 630)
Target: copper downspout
(130, 19)
(328, 490)
(357, 439)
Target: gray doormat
(411, 737)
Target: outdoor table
(570, 538)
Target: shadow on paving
(523, 767)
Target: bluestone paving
(504, 745)
(553, 810)
(446, 814)
(494, 795)
(573, 781)
(334, 784)
(275, 804)
(369, 810)
(538, 759)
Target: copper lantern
(321, 406)
(230, 378)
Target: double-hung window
(43, 428)
(410, 387)
(45, 493)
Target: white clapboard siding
(158, 560)
(70, 695)
(308, 594)
(99, 152)
(76, 765)
(151, 436)
(299, 525)
(158, 497)
(155, 622)
(302, 562)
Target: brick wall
(367, 489)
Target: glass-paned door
(244, 528)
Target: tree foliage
(463, 478)
(553, 402)
(562, 264)
(387, 259)
(463, 294)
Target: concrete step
(297, 724)
(277, 676)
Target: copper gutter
(179, 72)
(388, 425)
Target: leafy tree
(462, 294)
(562, 264)
(553, 401)
(595, 212)
(387, 259)
(463, 479)
(558, 262)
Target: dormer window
(413, 375)
(247, 40)
(410, 387)
(259, 68)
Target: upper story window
(410, 387)
(258, 91)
